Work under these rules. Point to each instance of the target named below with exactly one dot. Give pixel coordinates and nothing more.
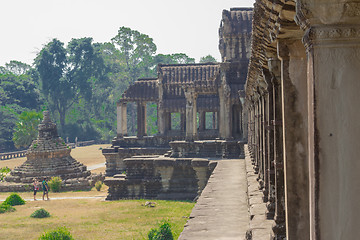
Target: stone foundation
(160, 178)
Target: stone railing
(10, 155)
(18, 154)
(81, 144)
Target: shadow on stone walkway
(222, 209)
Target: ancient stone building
(194, 91)
(302, 86)
(49, 156)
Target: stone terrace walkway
(221, 212)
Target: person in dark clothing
(45, 188)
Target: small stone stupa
(48, 156)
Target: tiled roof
(142, 89)
(197, 74)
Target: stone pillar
(141, 119)
(161, 118)
(191, 114)
(214, 124)
(332, 40)
(294, 101)
(261, 140)
(225, 112)
(202, 120)
(121, 119)
(183, 122)
(279, 228)
(270, 205)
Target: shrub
(6, 208)
(40, 213)
(3, 172)
(59, 234)
(13, 200)
(98, 185)
(163, 233)
(55, 184)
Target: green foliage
(6, 208)
(207, 59)
(98, 185)
(55, 184)
(176, 58)
(79, 83)
(68, 74)
(19, 91)
(3, 172)
(161, 233)
(40, 213)
(26, 129)
(61, 233)
(13, 200)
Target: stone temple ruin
(194, 91)
(49, 156)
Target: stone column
(161, 118)
(270, 205)
(202, 121)
(141, 119)
(121, 119)
(332, 40)
(294, 101)
(191, 114)
(279, 228)
(182, 122)
(214, 124)
(225, 112)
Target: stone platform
(159, 177)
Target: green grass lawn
(95, 218)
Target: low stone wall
(160, 178)
(10, 155)
(115, 155)
(208, 148)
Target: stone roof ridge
(243, 9)
(188, 64)
(146, 79)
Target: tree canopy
(79, 82)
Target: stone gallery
(302, 92)
(193, 91)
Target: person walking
(45, 187)
(36, 187)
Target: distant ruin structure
(49, 156)
(194, 92)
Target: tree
(26, 129)
(137, 50)
(176, 58)
(18, 92)
(207, 59)
(67, 75)
(17, 67)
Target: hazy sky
(185, 26)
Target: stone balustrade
(10, 155)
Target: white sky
(176, 26)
